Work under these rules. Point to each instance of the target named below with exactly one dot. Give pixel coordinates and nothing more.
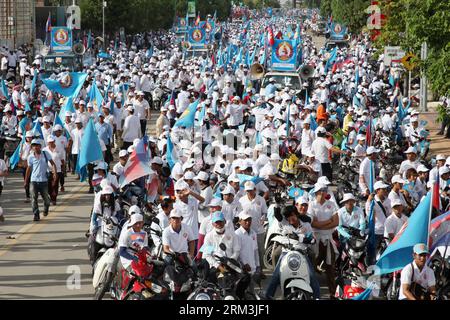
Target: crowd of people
(215, 181)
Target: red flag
(48, 25)
(436, 197)
(197, 21)
(279, 35)
(369, 133)
(270, 36)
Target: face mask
(220, 231)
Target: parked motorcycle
(179, 274)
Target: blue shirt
(104, 132)
(39, 166)
(270, 89)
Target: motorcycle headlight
(202, 296)
(294, 263)
(229, 298)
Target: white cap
(58, 127)
(233, 178)
(411, 150)
(244, 215)
(380, 185)
(321, 130)
(101, 166)
(134, 209)
(157, 160)
(107, 190)
(348, 196)
(301, 200)
(444, 170)
(249, 186)
(123, 153)
(371, 150)
(319, 186)
(215, 202)
(175, 214)
(181, 185)
(324, 180)
(228, 190)
(46, 119)
(130, 108)
(50, 139)
(422, 168)
(29, 134)
(189, 175)
(396, 202)
(397, 179)
(360, 137)
(440, 157)
(202, 175)
(135, 218)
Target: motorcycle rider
(248, 254)
(364, 170)
(206, 225)
(324, 221)
(395, 221)
(349, 216)
(411, 161)
(177, 237)
(397, 192)
(299, 226)
(417, 273)
(213, 239)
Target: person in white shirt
(187, 205)
(177, 238)
(132, 238)
(320, 147)
(206, 192)
(411, 161)
(256, 206)
(164, 210)
(141, 109)
(119, 167)
(382, 209)
(3, 173)
(395, 221)
(234, 114)
(248, 254)
(231, 207)
(398, 193)
(211, 247)
(75, 142)
(325, 219)
(308, 136)
(364, 170)
(131, 128)
(417, 272)
(360, 148)
(46, 128)
(350, 216)
(53, 187)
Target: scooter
(106, 237)
(294, 270)
(179, 275)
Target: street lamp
(103, 9)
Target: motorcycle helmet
(134, 209)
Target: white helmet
(134, 209)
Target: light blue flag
(169, 152)
(4, 90)
(313, 124)
(331, 60)
(187, 118)
(14, 160)
(61, 123)
(391, 80)
(201, 117)
(95, 97)
(90, 150)
(33, 83)
(400, 251)
(69, 86)
(243, 178)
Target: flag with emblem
(69, 85)
(138, 164)
(90, 150)
(188, 116)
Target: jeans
(275, 280)
(27, 188)
(42, 188)
(143, 126)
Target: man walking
(37, 173)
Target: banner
(284, 55)
(61, 39)
(337, 31)
(197, 37)
(181, 24)
(191, 10)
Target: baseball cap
(372, 149)
(422, 168)
(58, 127)
(397, 179)
(440, 157)
(233, 178)
(420, 248)
(319, 186)
(348, 196)
(396, 202)
(181, 185)
(157, 160)
(321, 130)
(443, 170)
(249, 186)
(324, 180)
(217, 216)
(135, 218)
(29, 134)
(228, 190)
(202, 175)
(107, 190)
(411, 150)
(189, 175)
(123, 153)
(46, 119)
(301, 200)
(101, 166)
(244, 215)
(51, 139)
(215, 202)
(380, 185)
(175, 214)
(36, 141)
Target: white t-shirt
(393, 224)
(3, 168)
(425, 278)
(178, 241)
(249, 248)
(130, 239)
(236, 114)
(320, 148)
(321, 213)
(76, 138)
(189, 212)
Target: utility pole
(423, 79)
(104, 40)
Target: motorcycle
(179, 275)
(143, 282)
(440, 263)
(352, 259)
(8, 143)
(104, 238)
(294, 270)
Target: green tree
(325, 8)
(205, 7)
(350, 13)
(409, 24)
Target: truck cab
(283, 78)
(330, 44)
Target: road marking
(36, 226)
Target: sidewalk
(439, 144)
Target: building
(17, 22)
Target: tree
(350, 13)
(223, 8)
(409, 24)
(325, 8)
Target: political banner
(61, 39)
(197, 37)
(181, 24)
(284, 55)
(191, 10)
(337, 31)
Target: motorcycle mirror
(223, 247)
(155, 220)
